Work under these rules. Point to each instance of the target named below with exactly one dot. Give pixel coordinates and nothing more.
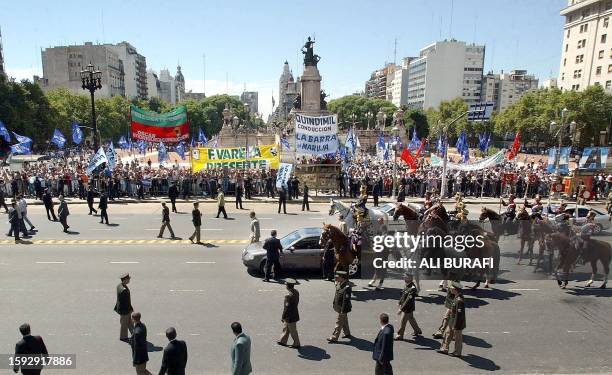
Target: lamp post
(92, 81)
(227, 116)
(353, 117)
(395, 131)
(246, 130)
(368, 116)
(560, 134)
(380, 118)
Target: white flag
(282, 177)
(97, 159)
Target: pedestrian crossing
(122, 242)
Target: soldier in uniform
(448, 304)
(291, 315)
(406, 307)
(196, 219)
(124, 308)
(221, 203)
(456, 322)
(342, 306)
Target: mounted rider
(510, 213)
(583, 237)
(460, 209)
(360, 205)
(562, 217)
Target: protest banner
(316, 135)
(260, 157)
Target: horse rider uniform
(342, 306)
(329, 259)
(510, 213)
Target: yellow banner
(260, 157)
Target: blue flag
(130, 145)
(23, 139)
(123, 144)
(77, 133)
(142, 147)
(285, 143)
(162, 152)
(441, 146)
(58, 139)
(386, 156)
(483, 142)
(351, 142)
(415, 142)
(21, 148)
(381, 140)
(180, 149)
(462, 146)
(193, 143)
(4, 132)
(202, 137)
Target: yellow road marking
(122, 242)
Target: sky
(246, 42)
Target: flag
(142, 147)
(381, 140)
(97, 159)
(483, 142)
(285, 143)
(351, 142)
(162, 153)
(21, 148)
(462, 146)
(23, 139)
(202, 137)
(516, 145)
(4, 132)
(180, 149)
(216, 142)
(441, 146)
(130, 144)
(418, 152)
(415, 143)
(77, 133)
(193, 143)
(386, 156)
(407, 157)
(122, 143)
(111, 155)
(58, 139)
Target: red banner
(171, 127)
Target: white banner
(316, 135)
(97, 159)
(489, 162)
(282, 177)
(112, 157)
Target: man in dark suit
(174, 360)
(140, 352)
(383, 347)
(14, 221)
(165, 222)
(282, 200)
(103, 206)
(173, 194)
(291, 315)
(376, 192)
(196, 219)
(48, 202)
(273, 249)
(239, 192)
(63, 213)
(29, 346)
(124, 308)
(90, 200)
(305, 203)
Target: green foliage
(444, 115)
(419, 119)
(345, 106)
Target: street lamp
(353, 117)
(368, 116)
(560, 134)
(246, 130)
(92, 81)
(227, 116)
(395, 131)
(380, 116)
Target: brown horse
(345, 256)
(439, 211)
(495, 219)
(411, 217)
(593, 251)
(525, 225)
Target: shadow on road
(497, 294)
(593, 291)
(481, 362)
(313, 353)
(425, 343)
(373, 294)
(357, 343)
(476, 341)
(438, 299)
(152, 348)
(73, 232)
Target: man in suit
(103, 206)
(241, 351)
(90, 200)
(282, 199)
(376, 192)
(165, 222)
(29, 346)
(273, 249)
(291, 315)
(305, 203)
(13, 218)
(239, 192)
(221, 203)
(342, 305)
(124, 308)
(140, 352)
(383, 347)
(196, 219)
(174, 359)
(173, 194)
(48, 202)
(63, 213)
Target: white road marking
(316, 218)
(200, 262)
(523, 289)
(264, 218)
(194, 334)
(152, 229)
(123, 262)
(100, 229)
(265, 290)
(50, 262)
(577, 331)
(217, 229)
(505, 332)
(187, 290)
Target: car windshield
(386, 207)
(289, 239)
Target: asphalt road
(64, 286)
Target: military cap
(456, 285)
(341, 274)
(291, 281)
(124, 276)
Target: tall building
(288, 90)
(251, 98)
(444, 71)
(134, 68)
(62, 67)
(179, 83)
(153, 84)
(586, 55)
(399, 85)
(2, 71)
(550, 83)
(505, 89)
(380, 82)
(167, 86)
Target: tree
(417, 118)
(444, 115)
(348, 105)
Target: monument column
(311, 89)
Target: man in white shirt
(23, 209)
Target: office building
(505, 89)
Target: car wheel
(598, 229)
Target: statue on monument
(297, 103)
(310, 59)
(323, 102)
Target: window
(606, 21)
(563, 76)
(564, 62)
(598, 70)
(581, 43)
(578, 73)
(608, 85)
(568, 33)
(566, 47)
(604, 38)
(584, 28)
(579, 58)
(600, 54)
(610, 68)
(586, 12)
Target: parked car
(400, 224)
(601, 219)
(301, 251)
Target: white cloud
(23, 73)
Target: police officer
(456, 322)
(14, 221)
(48, 202)
(406, 307)
(165, 222)
(329, 260)
(305, 203)
(90, 200)
(221, 203)
(273, 249)
(291, 315)
(196, 219)
(103, 206)
(173, 194)
(282, 200)
(342, 306)
(124, 308)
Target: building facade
(167, 86)
(153, 84)
(399, 85)
(505, 89)
(380, 82)
(252, 99)
(134, 69)
(179, 84)
(444, 71)
(586, 55)
(62, 68)
(288, 90)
